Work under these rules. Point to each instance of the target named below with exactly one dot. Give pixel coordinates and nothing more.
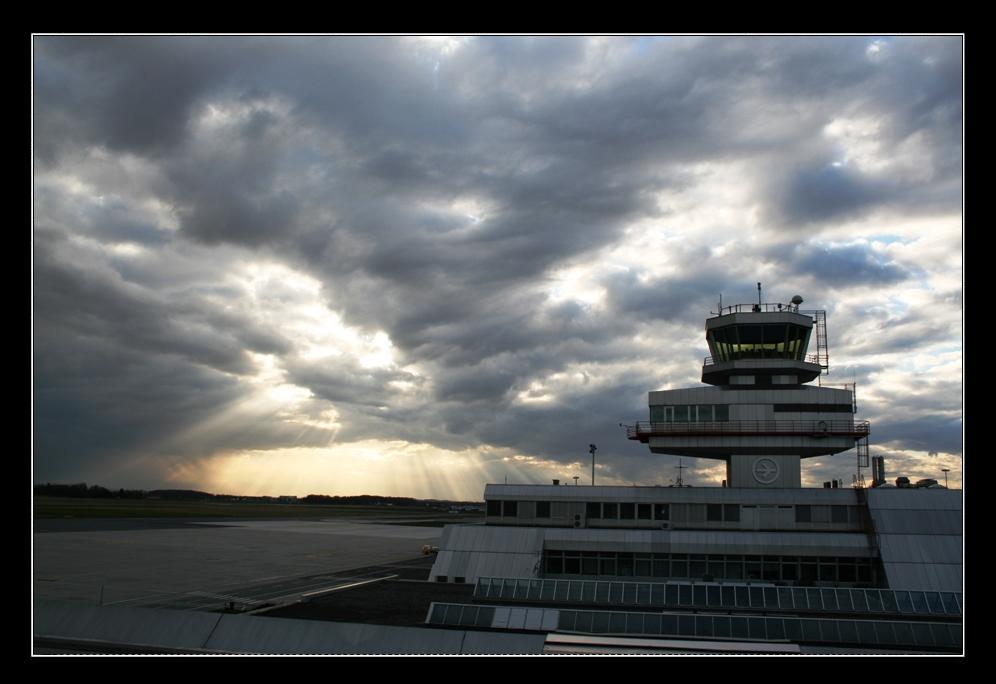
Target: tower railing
(767, 307)
(760, 355)
(644, 430)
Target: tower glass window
(759, 341)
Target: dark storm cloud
(817, 66)
(97, 405)
(829, 192)
(120, 372)
(117, 222)
(475, 383)
(97, 303)
(109, 220)
(910, 89)
(346, 382)
(673, 299)
(929, 433)
(560, 431)
(218, 217)
(101, 411)
(922, 91)
(873, 330)
(826, 191)
(838, 265)
(104, 403)
(359, 161)
(226, 189)
(491, 327)
(129, 93)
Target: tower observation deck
(757, 414)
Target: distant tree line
(81, 490)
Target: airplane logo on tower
(765, 470)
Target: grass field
(66, 507)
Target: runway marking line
(347, 586)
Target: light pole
(576, 480)
(945, 471)
(592, 448)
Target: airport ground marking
(348, 586)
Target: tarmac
(211, 565)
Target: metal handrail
(813, 428)
(750, 356)
(767, 307)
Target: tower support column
(765, 472)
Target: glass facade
(761, 341)
(725, 596)
(798, 570)
(943, 636)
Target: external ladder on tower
(863, 462)
(822, 350)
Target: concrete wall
(919, 532)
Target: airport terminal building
(760, 562)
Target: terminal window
(690, 413)
(794, 569)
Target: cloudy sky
(413, 265)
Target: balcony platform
(816, 429)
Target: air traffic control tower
(759, 415)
